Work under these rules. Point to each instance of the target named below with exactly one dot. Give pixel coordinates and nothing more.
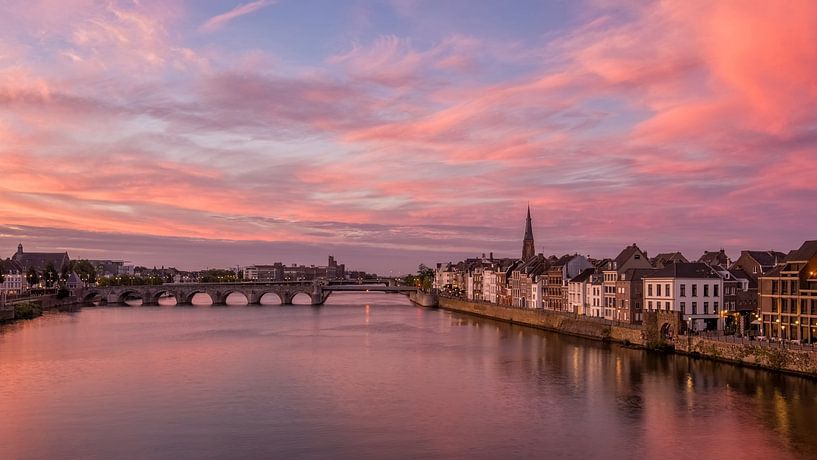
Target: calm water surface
(369, 376)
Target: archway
(236, 298)
(302, 298)
(666, 331)
(165, 299)
(199, 298)
(270, 298)
(131, 298)
(93, 297)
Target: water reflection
(368, 376)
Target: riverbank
(774, 357)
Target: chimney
(492, 255)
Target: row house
(788, 296)
(595, 295)
(630, 257)
(693, 290)
(577, 292)
(524, 279)
(448, 276)
(630, 294)
(13, 277)
(557, 277)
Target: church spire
(528, 247)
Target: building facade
(788, 296)
(692, 290)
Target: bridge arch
(298, 296)
(164, 293)
(129, 294)
(235, 293)
(92, 296)
(189, 297)
(270, 298)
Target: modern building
(788, 296)
(693, 290)
(280, 272)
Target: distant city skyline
(397, 132)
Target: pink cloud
(218, 21)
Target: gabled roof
(40, 260)
(684, 270)
(714, 258)
(583, 276)
(626, 254)
(10, 266)
(806, 252)
(766, 258)
(668, 257)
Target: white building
(14, 278)
(693, 289)
(594, 298)
(577, 292)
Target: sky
(389, 133)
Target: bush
(27, 310)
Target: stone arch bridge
(317, 291)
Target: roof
(806, 252)
(9, 266)
(684, 270)
(583, 276)
(40, 260)
(766, 258)
(714, 258)
(626, 254)
(668, 257)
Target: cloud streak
(218, 21)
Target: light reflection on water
(368, 376)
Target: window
(774, 305)
(715, 307)
(774, 286)
(666, 306)
(658, 290)
(649, 305)
(683, 307)
(649, 290)
(694, 308)
(683, 290)
(694, 290)
(706, 308)
(706, 290)
(715, 290)
(666, 290)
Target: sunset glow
(289, 130)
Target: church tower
(528, 248)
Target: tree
(2, 277)
(85, 270)
(32, 277)
(50, 275)
(425, 276)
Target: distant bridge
(318, 291)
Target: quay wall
(566, 323)
(774, 356)
(423, 299)
(771, 356)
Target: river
(370, 376)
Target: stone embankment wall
(549, 320)
(788, 358)
(6, 313)
(423, 299)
